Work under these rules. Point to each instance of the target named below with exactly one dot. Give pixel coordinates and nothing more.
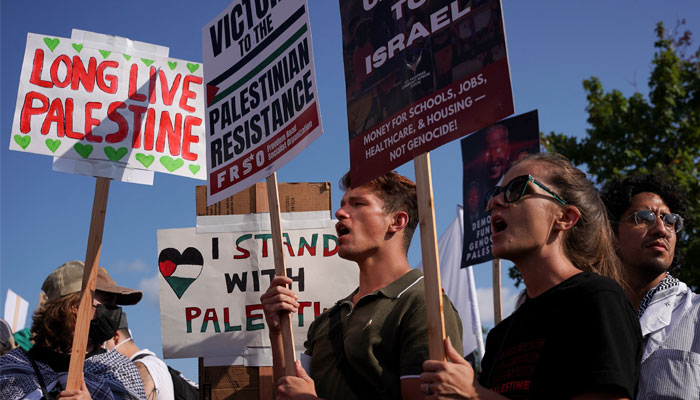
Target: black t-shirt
(579, 336)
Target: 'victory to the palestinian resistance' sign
(87, 103)
(262, 106)
(210, 287)
(418, 74)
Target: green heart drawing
(77, 47)
(192, 67)
(126, 57)
(53, 144)
(145, 160)
(115, 155)
(147, 62)
(105, 53)
(83, 149)
(171, 164)
(23, 141)
(194, 169)
(51, 43)
(172, 65)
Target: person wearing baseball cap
(42, 371)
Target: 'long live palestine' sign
(92, 104)
(262, 105)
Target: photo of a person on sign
(497, 155)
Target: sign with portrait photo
(486, 156)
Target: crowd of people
(602, 316)
(108, 373)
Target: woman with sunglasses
(576, 335)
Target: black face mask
(105, 324)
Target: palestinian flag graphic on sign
(180, 270)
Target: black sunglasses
(648, 219)
(515, 189)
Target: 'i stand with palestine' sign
(262, 105)
(420, 73)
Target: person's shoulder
(594, 283)
(13, 357)
(147, 354)
(410, 286)
(109, 360)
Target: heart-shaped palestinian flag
(180, 270)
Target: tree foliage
(655, 133)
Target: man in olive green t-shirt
(383, 338)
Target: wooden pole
(496, 270)
(431, 263)
(289, 356)
(15, 318)
(92, 258)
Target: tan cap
(68, 278)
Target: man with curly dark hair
(647, 214)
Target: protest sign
(486, 156)
(419, 74)
(15, 310)
(262, 105)
(79, 101)
(210, 287)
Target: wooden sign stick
(431, 263)
(92, 258)
(288, 356)
(496, 271)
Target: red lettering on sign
(37, 66)
(150, 128)
(187, 93)
(138, 112)
(54, 71)
(152, 86)
(110, 88)
(188, 138)
(119, 119)
(90, 122)
(55, 114)
(133, 74)
(210, 315)
(168, 94)
(80, 75)
(69, 121)
(28, 109)
(172, 131)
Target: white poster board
(210, 287)
(262, 103)
(80, 101)
(15, 311)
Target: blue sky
(45, 215)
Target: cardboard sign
(210, 287)
(419, 74)
(486, 156)
(86, 103)
(262, 105)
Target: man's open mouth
(341, 230)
